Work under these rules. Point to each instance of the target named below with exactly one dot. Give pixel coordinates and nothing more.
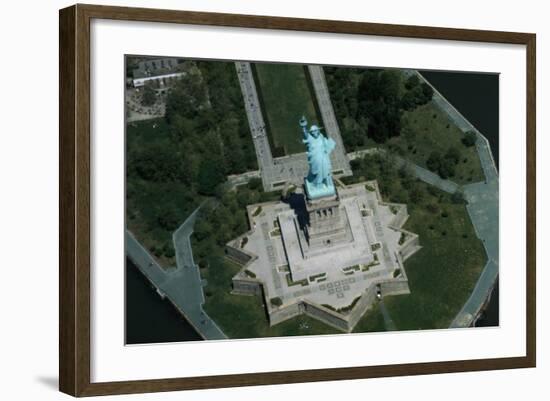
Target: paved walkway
(389, 324)
(255, 119)
(236, 180)
(420, 172)
(183, 285)
(322, 94)
(483, 208)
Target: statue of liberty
(318, 182)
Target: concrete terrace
(336, 286)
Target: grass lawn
(371, 321)
(443, 273)
(285, 94)
(434, 131)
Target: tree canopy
(370, 102)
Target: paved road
(183, 285)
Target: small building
(160, 71)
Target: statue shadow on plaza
(297, 202)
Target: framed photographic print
(251, 200)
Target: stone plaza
(335, 282)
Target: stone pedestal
(326, 223)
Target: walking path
(483, 208)
(420, 172)
(389, 324)
(236, 180)
(322, 94)
(183, 285)
(255, 119)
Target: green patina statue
(318, 183)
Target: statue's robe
(318, 156)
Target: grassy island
(176, 162)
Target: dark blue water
(149, 318)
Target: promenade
(182, 285)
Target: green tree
(427, 93)
(157, 162)
(379, 100)
(417, 95)
(202, 229)
(149, 96)
(211, 175)
(457, 197)
(447, 168)
(186, 98)
(453, 154)
(434, 161)
(255, 184)
(469, 139)
(168, 217)
(416, 194)
(412, 82)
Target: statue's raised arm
(303, 124)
